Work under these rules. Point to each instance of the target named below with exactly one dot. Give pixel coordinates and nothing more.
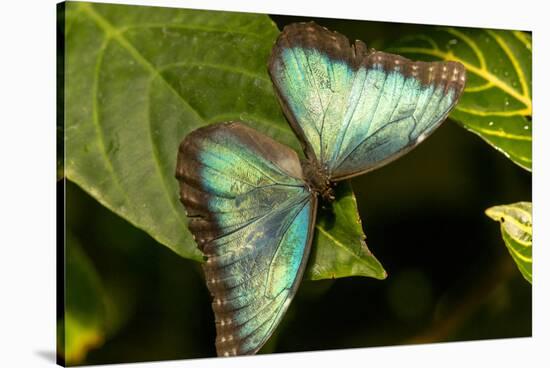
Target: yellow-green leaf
(515, 225)
(496, 104)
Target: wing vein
(373, 115)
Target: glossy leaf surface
(496, 104)
(517, 231)
(138, 80)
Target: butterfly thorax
(317, 179)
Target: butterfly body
(252, 202)
(317, 179)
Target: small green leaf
(139, 79)
(339, 248)
(496, 104)
(83, 326)
(517, 233)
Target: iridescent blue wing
(357, 109)
(253, 218)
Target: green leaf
(516, 228)
(339, 248)
(139, 79)
(496, 104)
(83, 326)
(60, 83)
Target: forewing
(252, 217)
(357, 109)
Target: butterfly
(251, 201)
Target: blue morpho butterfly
(252, 201)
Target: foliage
(140, 79)
(517, 231)
(83, 325)
(344, 252)
(496, 104)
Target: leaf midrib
(117, 34)
(113, 33)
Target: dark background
(450, 277)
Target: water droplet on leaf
(450, 44)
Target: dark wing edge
(338, 47)
(444, 74)
(310, 35)
(297, 280)
(203, 225)
(193, 197)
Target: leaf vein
(472, 44)
(513, 60)
(191, 28)
(501, 134)
(480, 88)
(522, 112)
(226, 68)
(157, 165)
(109, 29)
(474, 69)
(97, 121)
(523, 39)
(339, 244)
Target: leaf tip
(494, 213)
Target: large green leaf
(138, 79)
(83, 326)
(59, 90)
(340, 249)
(496, 104)
(516, 228)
